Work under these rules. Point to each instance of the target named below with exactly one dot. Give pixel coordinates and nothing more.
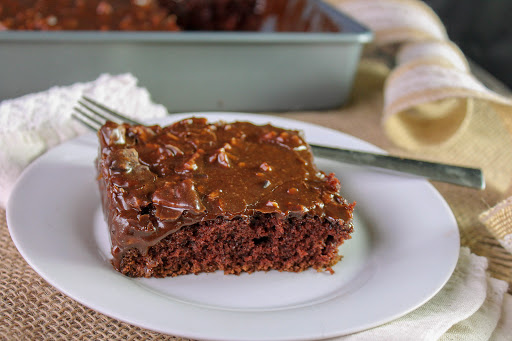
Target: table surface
(32, 309)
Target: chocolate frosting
(157, 180)
(167, 15)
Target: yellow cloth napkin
(433, 105)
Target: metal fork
(94, 115)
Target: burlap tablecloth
(31, 309)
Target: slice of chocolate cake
(199, 197)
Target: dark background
(483, 31)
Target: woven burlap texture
(32, 309)
(499, 220)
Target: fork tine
(95, 121)
(93, 126)
(94, 112)
(108, 110)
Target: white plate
(404, 249)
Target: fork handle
(463, 176)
